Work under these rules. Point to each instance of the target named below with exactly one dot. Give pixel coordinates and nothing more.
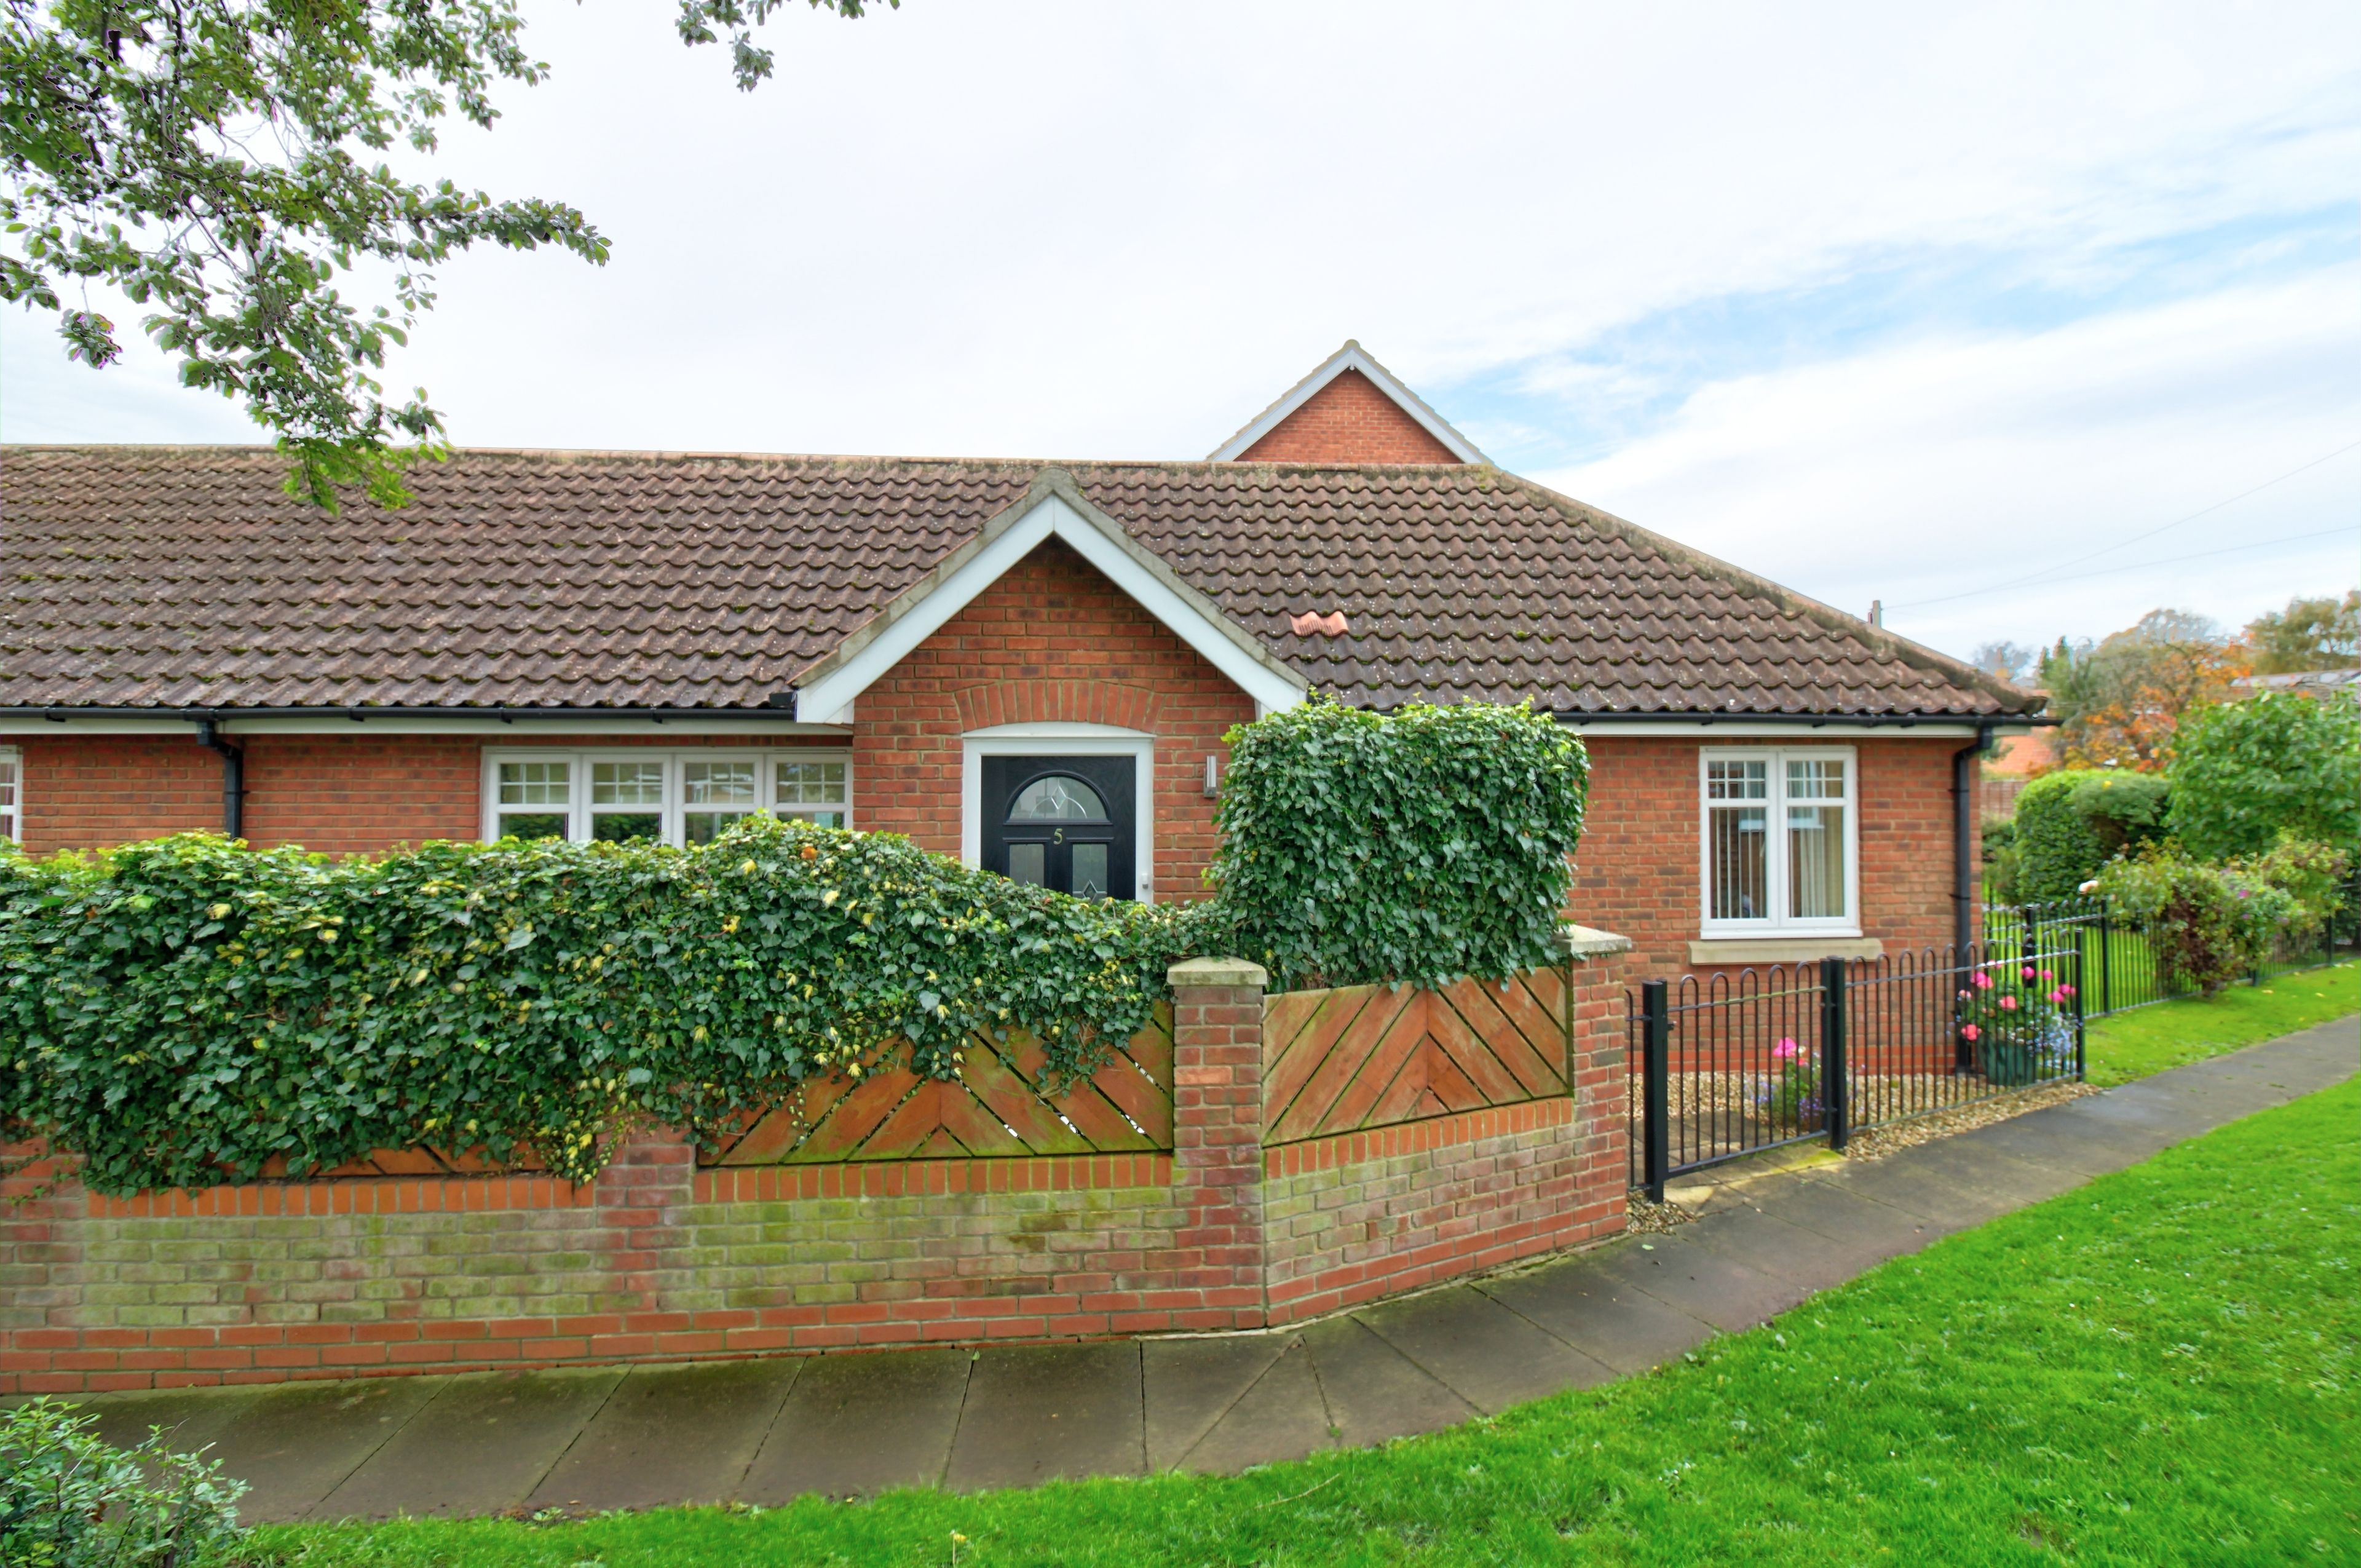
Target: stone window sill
(1782, 949)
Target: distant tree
(2310, 634)
(214, 160)
(2009, 660)
(2121, 699)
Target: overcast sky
(1884, 302)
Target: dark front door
(1065, 823)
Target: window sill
(1796, 949)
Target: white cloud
(1918, 472)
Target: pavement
(763, 1431)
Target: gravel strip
(1880, 1142)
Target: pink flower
(1973, 1032)
(1984, 981)
(2047, 975)
(2008, 1003)
(2028, 972)
(2065, 990)
(2058, 997)
(1786, 1050)
(1963, 996)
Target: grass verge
(2150, 1039)
(2164, 1365)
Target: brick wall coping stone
(1584, 942)
(1217, 972)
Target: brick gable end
(1348, 420)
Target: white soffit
(1352, 357)
(1055, 506)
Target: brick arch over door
(1053, 641)
(1057, 702)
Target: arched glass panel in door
(1063, 823)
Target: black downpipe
(1963, 831)
(233, 777)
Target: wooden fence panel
(1358, 1057)
(999, 1107)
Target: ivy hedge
(1415, 847)
(185, 1011)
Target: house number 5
(1057, 835)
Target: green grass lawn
(2150, 1039)
(2163, 1366)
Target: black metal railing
(2125, 959)
(1734, 1065)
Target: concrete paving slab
(191, 1418)
(1374, 1392)
(1190, 1383)
(1049, 1410)
(669, 1435)
(1701, 1281)
(1482, 1350)
(1986, 1171)
(478, 1447)
(1945, 1205)
(2087, 1147)
(296, 1443)
(1870, 1231)
(856, 1424)
(1613, 1322)
(1281, 1417)
(1804, 1258)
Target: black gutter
(233, 778)
(361, 715)
(1984, 722)
(1963, 829)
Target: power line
(2169, 560)
(2045, 571)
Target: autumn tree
(2123, 699)
(2310, 634)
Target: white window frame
(1775, 760)
(12, 813)
(675, 808)
(1048, 739)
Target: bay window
(670, 797)
(1780, 840)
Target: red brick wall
(357, 794)
(658, 1260)
(1636, 872)
(1052, 640)
(1348, 420)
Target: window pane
(533, 825)
(626, 826)
(536, 784)
(1058, 799)
(627, 784)
(1737, 854)
(812, 784)
(704, 827)
(1815, 868)
(1028, 862)
(1737, 781)
(1090, 870)
(1816, 780)
(718, 784)
(817, 818)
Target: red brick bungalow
(1028, 665)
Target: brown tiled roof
(150, 576)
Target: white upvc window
(12, 795)
(670, 797)
(1780, 840)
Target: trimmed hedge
(187, 1011)
(2070, 824)
(1414, 848)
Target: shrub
(2003, 863)
(2210, 923)
(69, 1501)
(2070, 824)
(1413, 847)
(2311, 874)
(2018, 1018)
(2243, 773)
(186, 1011)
